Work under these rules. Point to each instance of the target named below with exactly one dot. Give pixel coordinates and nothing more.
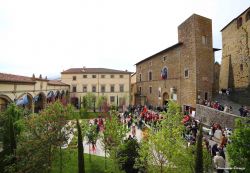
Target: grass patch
(91, 115)
(70, 163)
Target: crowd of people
(217, 105)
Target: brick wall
(209, 115)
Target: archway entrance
(165, 99)
(39, 101)
(4, 101)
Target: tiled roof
(56, 82)
(93, 70)
(15, 78)
(165, 50)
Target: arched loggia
(39, 102)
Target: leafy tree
(40, 140)
(113, 136)
(100, 103)
(127, 154)
(92, 136)
(165, 150)
(11, 125)
(90, 100)
(238, 150)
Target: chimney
(33, 76)
(40, 76)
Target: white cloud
(51, 35)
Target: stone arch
(29, 98)
(57, 94)
(39, 102)
(50, 97)
(4, 101)
(165, 98)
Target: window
(112, 76)
(85, 76)
(164, 58)
(84, 88)
(73, 88)
(93, 88)
(140, 90)
(102, 88)
(150, 63)
(102, 76)
(121, 76)
(204, 40)
(121, 88)
(186, 73)
(248, 16)
(241, 67)
(140, 77)
(112, 88)
(93, 76)
(150, 75)
(112, 99)
(150, 90)
(74, 77)
(239, 22)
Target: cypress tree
(199, 154)
(81, 168)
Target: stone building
(216, 87)
(30, 92)
(114, 84)
(182, 72)
(235, 66)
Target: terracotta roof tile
(93, 70)
(56, 82)
(15, 78)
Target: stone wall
(209, 115)
(235, 66)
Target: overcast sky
(49, 36)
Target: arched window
(150, 75)
(239, 22)
(248, 16)
(140, 77)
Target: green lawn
(97, 164)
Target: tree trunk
(60, 159)
(81, 168)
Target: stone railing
(208, 116)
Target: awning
(36, 98)
(50, 94)
(22, 101)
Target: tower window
(239, 22)
(204, 40)
(186, 73)
(150, 75)
(150, 90)
(241, 67)
(140, 77)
